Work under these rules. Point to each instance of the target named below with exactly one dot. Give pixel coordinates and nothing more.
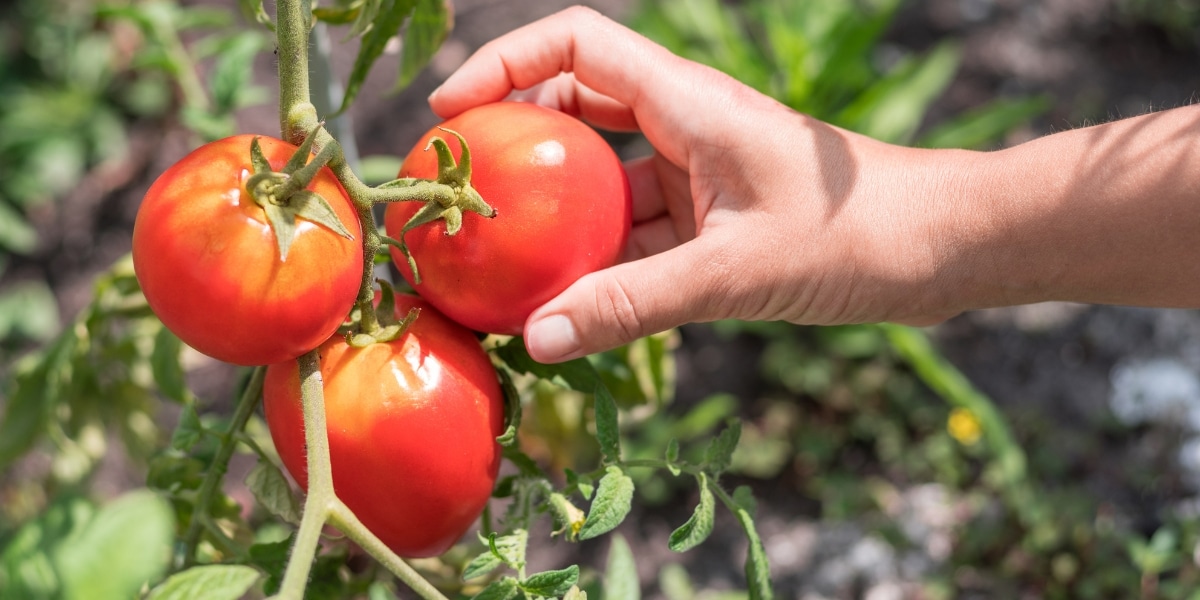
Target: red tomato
(209, 264)
(563, 204)
(412, 429)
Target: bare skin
(749, 210)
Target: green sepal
(512, 410)
(429, 213)
(451, 171)
(439, 205)
(265, 187)
(258, 159)
(283, 223)
(311, 206)
(300, 157)
(390, 329)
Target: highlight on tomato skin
(412, 429)
(563, 205)
(209, 265)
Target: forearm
(1105, 214)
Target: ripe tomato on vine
(211, 266)
(563, 208)
(412, 429)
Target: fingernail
(433, 93)
(552, 339)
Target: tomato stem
(298, 117)
(246, 405)
(320, 499)
(345, 520)
(293, 21)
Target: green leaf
(271, 490)
(979, 128)
(551, 583)
(892, 109)
(28, 309)
(272, 558)
(481, 565)
(583, 483)
(607, 426)
(36, 397)
(510, 548)
(253, 11)
(503, 589)
(719, 453)
(526, 465)
(231, 79)
(757, 569)
(338, 15)
(166, 367)
(210, 582)
(385, 26)
(173, 472)
(673, 457)
(620, 575)
(700, 525)
(126, 546)
(578, 374)
(367, 14)
(28, 571)
(705, 416)
(431, 23)
(512, 410)
(16, 235)
(611, 505)
(189, 429)
(743, 498)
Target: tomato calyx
(387, 327)
(454, 176)
(284, 196)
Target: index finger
(604, 56)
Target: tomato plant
(412, 429)
(563, 210)
(209, 262)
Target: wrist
(930, 254)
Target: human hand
(747, 209)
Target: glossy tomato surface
(412, 430)
(563, 205)
(210, 268)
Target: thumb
(615, 306)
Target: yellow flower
(964, 426)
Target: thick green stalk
(298, 117)
(321, 499)
(293, 20)
(343, 518)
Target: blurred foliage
(828, 60)
(75, 550)
(1180, 19)
(73, 76)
